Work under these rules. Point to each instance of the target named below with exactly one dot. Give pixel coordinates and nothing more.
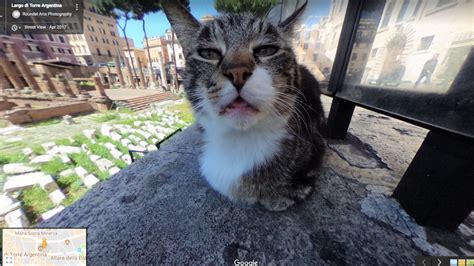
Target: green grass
(67, 182)
(16, 157)
(119, 163)
(106, 117)
(102, 175)
(35, 202)
(81, 159)
(54, 167)
(185, 114)
(38, 149)
(105, 139)
(74, 196)
(44, 123)
(66, 142)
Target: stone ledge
(159, 210)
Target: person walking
(427, 70)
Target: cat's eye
(210, 54)
(265, 50)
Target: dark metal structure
(437, 189)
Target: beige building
(174, 47)
(158, 51)
(100, 42)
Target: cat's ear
(183, 23)
(288, 24)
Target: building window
(92, 38)
(52, 49)
(403, 10)
(417, 8)
(112, 33)
(109, 53)
(387, 15)
(50, 37)
(374, 52)
(315, 57)
(425, 43)
(444, 2)
(98, 51)
(92, 29)
(354, 57)
(305, 46)
(61, 39)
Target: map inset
(44, 246)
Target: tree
(257, 7)
(118, 9)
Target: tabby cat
(260, 111)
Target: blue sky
(156, 23)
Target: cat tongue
(239, 104)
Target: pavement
(160, 210)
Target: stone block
(69, 149)
(17, 168)
(104, 164)
(45, 216)
(143, 143)
(125, 142)
(65, 159)
(114, 170)
(48, 146)
(67, 172)
(126, 158)
(89, 133)
(48, 184)
(27, 151)
(19, 182)
(110, 146)
(8, 204)
(42, 159)
(137, 123)
(115, 136)
(16, 218)
(90, 181)
(106, 130)
(94, 157)
(80, 171)
(57, 197)
(116, 153)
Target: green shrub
(17, 157)
(54, 166)
(81, 159)
(73, 196)
(35, 202)
(106, 117)
(66, 182)
(38, 149)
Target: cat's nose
(238, 76)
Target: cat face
(240, 70)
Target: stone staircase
(142, 103)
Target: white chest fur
(227, 155)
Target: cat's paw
(277, 203)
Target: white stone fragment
(94, 157)
(27, 151)
(57, 197)
(49, 145)
(19, 182)
(114, 170)
(115, 136)
(42, 159)
(89, 133)
(109, 146)
(16, 218)
(125, 142)
(137, 123)
(48, 184)
(116, 153)
(104, 164)
(17, 168)
(80, 171)
(65, 159)
(67, 172)
(8, 204)
(45, 216)
(90, 181)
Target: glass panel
(317, 36)
(414, 58)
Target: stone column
(23, 67)
(119, 71)
(4, 84)
(66, 88)
(101, 103)
(48, 85)
(99, 87)
(101, 77)
(142, 77)
(11, 71)
(164, 79)
(130, 75)
(109, 77)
